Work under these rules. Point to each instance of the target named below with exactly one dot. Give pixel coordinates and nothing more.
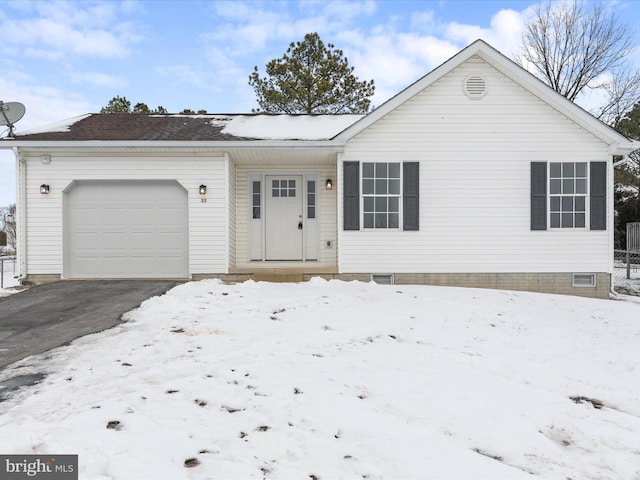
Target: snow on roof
(284, 127)
(61, 126)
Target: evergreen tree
(120, 104)
(141, 108)
(311, 78)
(627, 178)
(117, 104)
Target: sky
(340, 380)
(63, 59)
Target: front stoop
(278, 277)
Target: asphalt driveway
(54, 314)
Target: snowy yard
(334, 380)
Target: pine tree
(311, 78)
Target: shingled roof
(153, 127)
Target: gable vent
(475, 86)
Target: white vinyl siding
(474, 160)
(208, 233)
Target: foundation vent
(475, 87)
(584, 279)
(382, 279)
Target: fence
(626, 272)
(8, 272)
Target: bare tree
(8, 224)
(576, 45)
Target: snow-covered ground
(335, 380)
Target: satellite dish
(10, 113)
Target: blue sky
(63, 59)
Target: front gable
(479, 51)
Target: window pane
(381, 204)
(381, 187)
(394, 204)
(283, 192)
(568, 169)
(555, 220)
(367, 170)
(256, 199)
(581, 169)
(555, 204)
(580, 204)
(311, 187)
(581, 186)
(567, 204)
(368, 220)
(394, 170)
(381, 170)
(567, 220)
(311, 212)
(555, 171)
(393, 220)
(283, 184)
(367, 186)
(292, 184)
(256, 212)
(381, 220)
(554, 186)
(256, 187)
(394, 187)
(580, 220)
(275, 192)
(292, 193)
(275, 184)
(368, 204)
(567, 186)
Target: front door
(284, 221)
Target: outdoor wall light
(44, 189)
(329, 184)
(203, 190)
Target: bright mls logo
(49, 467)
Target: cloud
(44, 104)
(505, 31)
(52, 30)
(98, 79)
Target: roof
(516, 73)
(264, 129)
(154, 127)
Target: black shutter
(538, 195)
(351, 195)
(598, 196)
(410, 195)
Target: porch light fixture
(203, 189)
(329, 184)
(44, 189)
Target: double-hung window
(381, 195)
(568, 194)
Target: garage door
(126, 229)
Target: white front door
(284, 219)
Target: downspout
(227, 208)
(611, 223)
(21, 214)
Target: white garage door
(126, 229)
